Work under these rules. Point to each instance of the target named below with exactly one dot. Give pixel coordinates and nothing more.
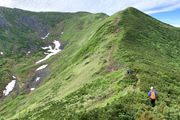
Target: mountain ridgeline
(87, 79)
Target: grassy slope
(81, 28)
(17, 36)
(89, 79)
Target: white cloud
(108, 6)
(95, 6)
(169, 8)
(6, 3)
(176, 26)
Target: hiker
(152, 93)
(129, 71)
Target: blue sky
(170, 17)
(164, 10)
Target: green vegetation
(88, 78)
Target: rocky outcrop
(3, 22)
(35, 80)
(21, 18)
(32, 47)
(35, 24)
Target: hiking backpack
(153, 96)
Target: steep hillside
(88, 79)
(22, 36)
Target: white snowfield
(38, 78)
(42, 67)
(9, 87)
(45, 36)
(28, 52)
(45, 48)
(14, 77)
(32, 89)
(51, 51)
(1, 53)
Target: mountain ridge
(88, 78)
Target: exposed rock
(32, 46)
(24, 50)
(34, 23)
(63, 45)
(33, 82)
(19, 25)
(5, 47)
(3, 22)
(14, 48)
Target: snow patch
(45, 48)
(45, 36)
(28, 52)
(51, 51)
(14, 77)
(42, 67)
(57, 45)
(32, 89)
(1, 53)
(9, 87)
(38, 78)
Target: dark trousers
(153, 102)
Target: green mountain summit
(74, 66)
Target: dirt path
(109, 63)
(137, 81)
